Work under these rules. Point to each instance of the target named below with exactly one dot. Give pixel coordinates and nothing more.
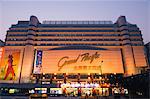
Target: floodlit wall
(81, 61)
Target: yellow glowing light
(100, 78)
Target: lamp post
(100, 66)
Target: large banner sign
(82, 61)
(38, 62)
(1, 54)
(9, 65)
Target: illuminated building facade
(147, 51)
(1, 50)
(76, 51)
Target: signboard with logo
(82, 61)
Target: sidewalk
(63, 97)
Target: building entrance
(84, 89)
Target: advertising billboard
(9, 65)
(82, 61)
(38, 62)
(1, 54)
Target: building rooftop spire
(33, 20)
(121, 21)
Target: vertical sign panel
(38, 62)
(1, 54)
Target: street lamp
(100, 66)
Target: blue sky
(136, 12)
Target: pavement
(62, 97)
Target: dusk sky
(136, 12)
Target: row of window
(71, 23)
(64, 44)
(70, 30)
(78, 35)
(13, 39)
(64, 26)
(76, 26)
(77, 39)
(77, 22)
(67, 44)
(17, 30)
(73, 34)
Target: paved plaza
(26, 97)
